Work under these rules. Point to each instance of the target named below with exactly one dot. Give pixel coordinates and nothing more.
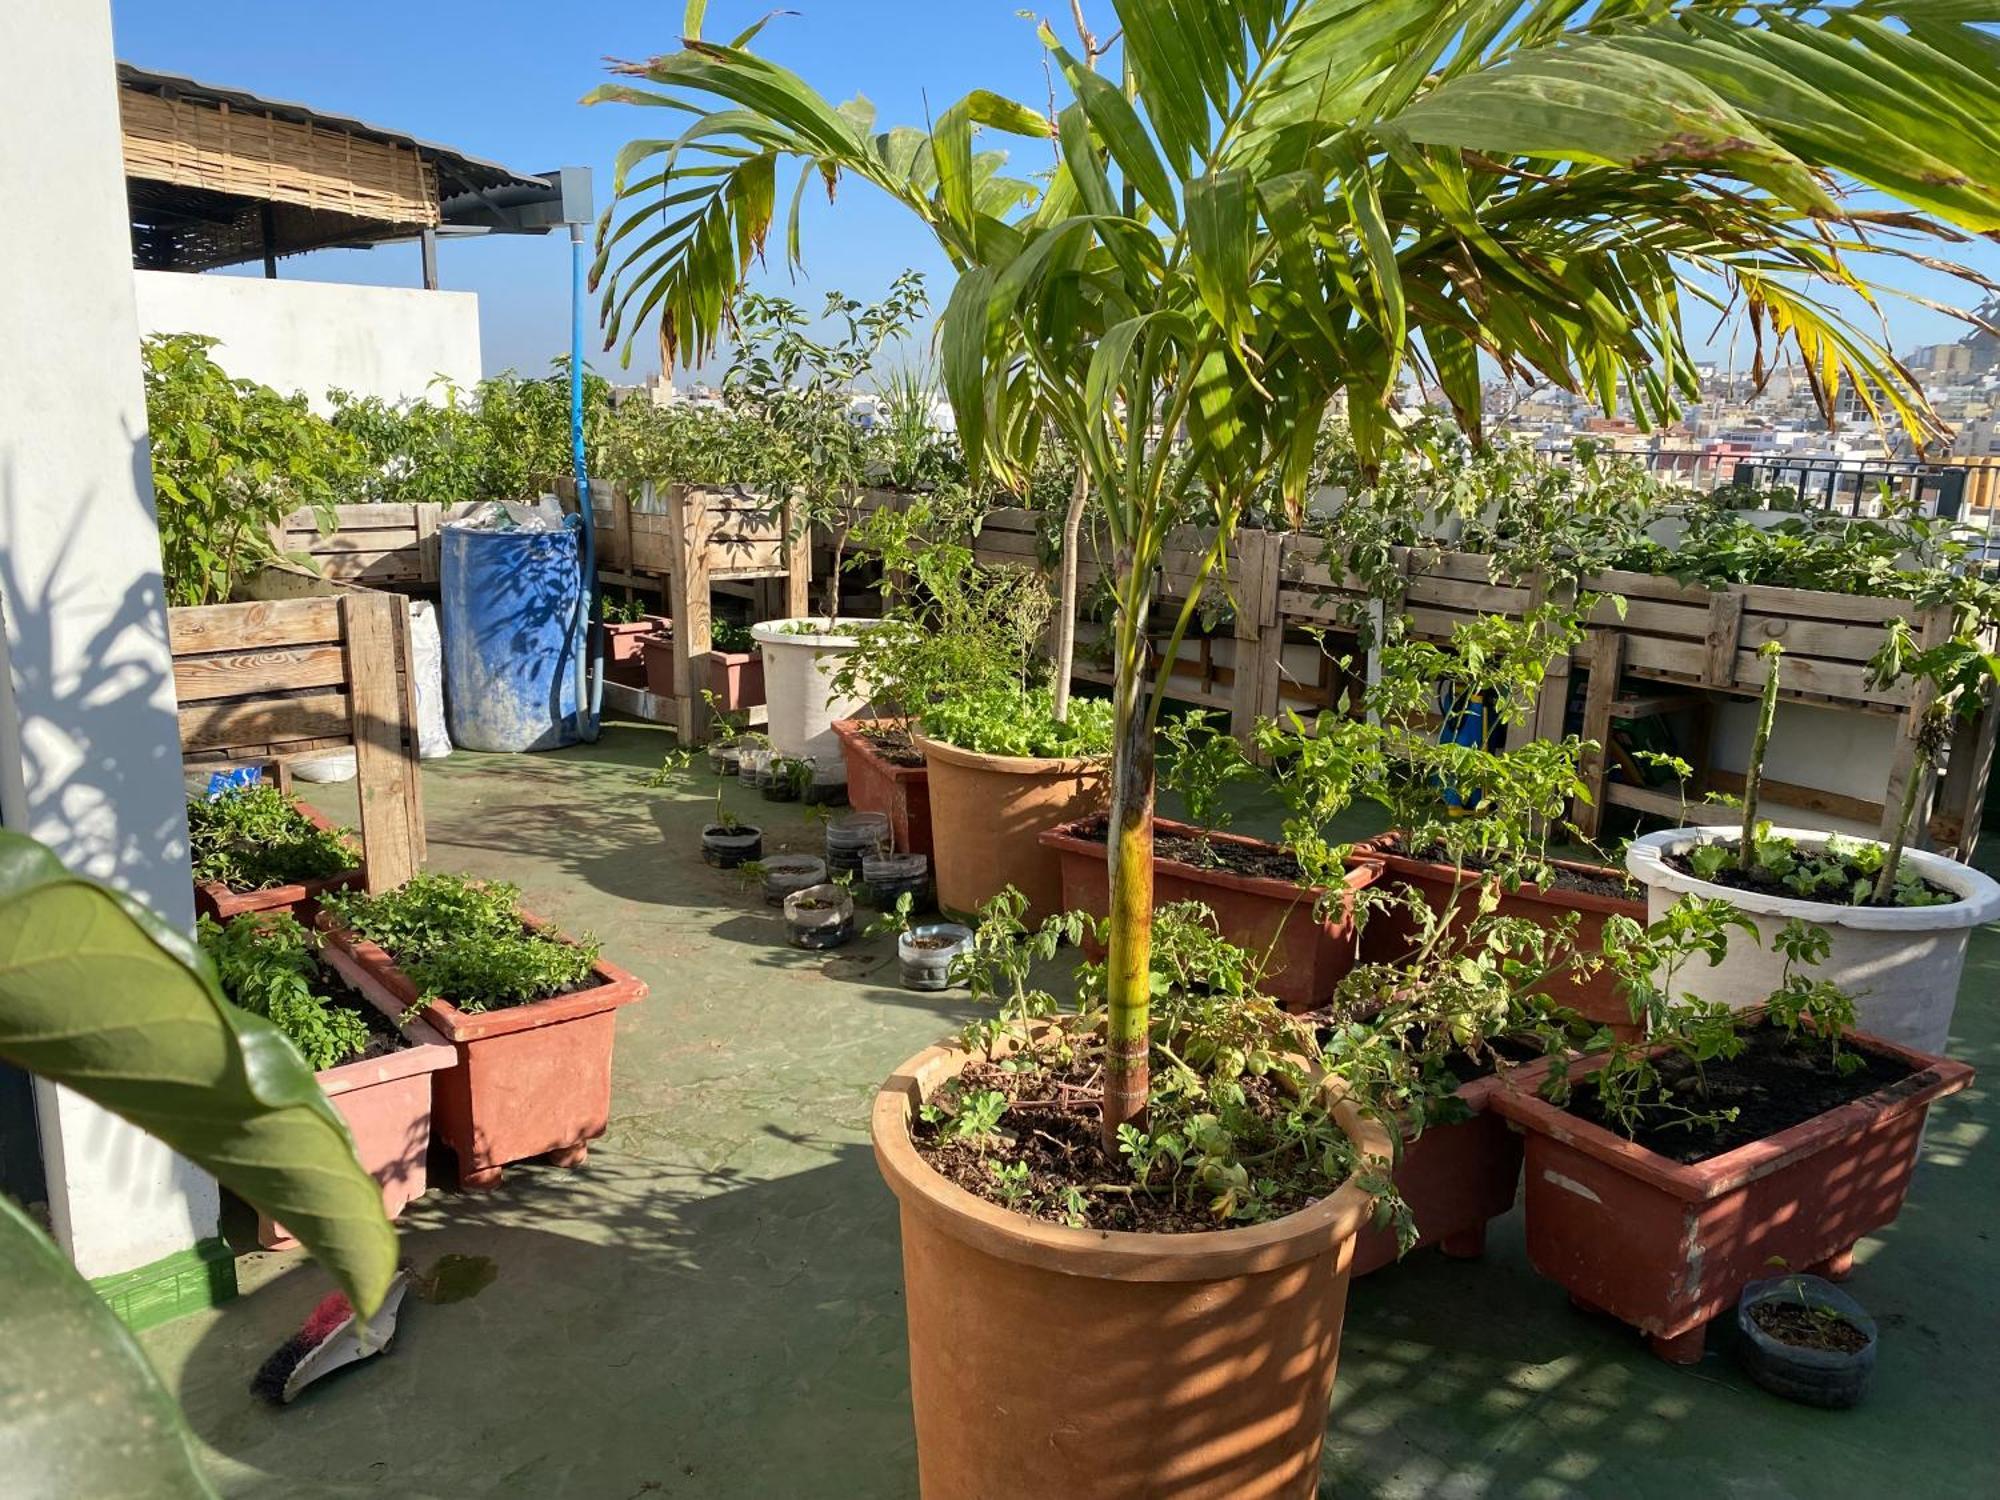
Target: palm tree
(1300, 198)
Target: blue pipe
(589, 664)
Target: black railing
(1855, 486)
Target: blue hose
(589, 664)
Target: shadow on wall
(91, 724)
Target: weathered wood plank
(250, 627)
(384, 758)
(231, 723)
(238, 674)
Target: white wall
(89, 749)
(314, 336)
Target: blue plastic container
(508, 611)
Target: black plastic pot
(1812, 1377)
(726, 847)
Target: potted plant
(255, 848)
(374, 1066)
(1665, 1175)
(1259, 891)
(1803, 1338)
(627, 627)
(800, 659)
(1211, 1227)
(925, 951)
(820, 916)
(531, 1012)
(1003, 771)
(736, 669)
(1897, 918)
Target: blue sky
(501, 79)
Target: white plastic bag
(427, 667)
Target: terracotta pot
(1194, 1365)
(1308, 955)
(1456, 1178)
(1666, 1247)
(988, 813)
(877, 784)
(1388, 934)
(530, 1080)
(214, 899)
(659, 664)
(386, 1102)
(737, 680)
(624, 639)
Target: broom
(330, 1339)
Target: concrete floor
(711, 1307)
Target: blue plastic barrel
(508, 611)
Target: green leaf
(84, 1414)
(1219, 227)
(99, 995)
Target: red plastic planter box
(1666, 1247)
(1455, 1179)
(737, 680)
(530, 1080)
(624, 646)
(877, 784)
(214, 899)
(386, 1102)
(1389, 935)
(1309, 955)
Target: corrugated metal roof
(457, 172)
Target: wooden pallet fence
(273, 682)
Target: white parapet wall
(89, 744)
(316, 336)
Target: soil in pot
(1576, 880)
(891, 741)
(1776, 1082)
(1266, 862)
(1805, 1327)
(925, 954)
(820, 916)
(1852, 876)
(1035, 1167)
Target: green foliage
(230, 460)
(268, 965)
(1841, 871)
(1008, 721)
(253, 838)
(463, 940)
(1202, 758)
(159, 1046)
(729, 636)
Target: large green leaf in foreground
(99, 995)
(81, 1412)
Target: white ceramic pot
(799, 664)
(1902, 964)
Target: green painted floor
(711, 1306)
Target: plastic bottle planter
(753, 764)
(820, 916)
(856, 837)
(786, 873)
(1810, 1376)
(785, 780)
(723, 757)
(885, 877)
(926, 954)
(827, 787)
(726, 845)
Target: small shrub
(255, 838)
(267, 964)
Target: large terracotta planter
(531, 1079)
(214, 899)
(1389, 934)
(386, 1102)
(1308, 954)
(1456, 1179)
(1666, 1247)
(1902, 964)
(988, 813)
(1047, 1361)
(875, 783)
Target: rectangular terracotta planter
(1389, 934)
(214, 899)
(1308, 955)
(1666, 1247)
(531, 1079)
(657, 657)
(877, 784)
(1456, 1178)
(737, 680)
(386, 1102)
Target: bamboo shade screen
(276, 161)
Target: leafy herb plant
(1003, 721)
(253, 838)
(463, 940)
(268, 964)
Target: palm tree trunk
(1128, 971)
(1072, 532)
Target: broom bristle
(319, 1326)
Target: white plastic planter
(799, 665)
(1902, 964)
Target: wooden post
(1725, 632)
(391, 815)
(426, 514)
(798, 564)
(1933, 629)
(1957, 825)
(1259, 633)
(689, 584)
(1607, 665)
